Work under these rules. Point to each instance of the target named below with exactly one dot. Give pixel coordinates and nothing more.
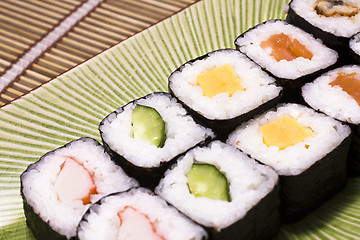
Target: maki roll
(222, 89)
(59, 188)
(145, 135)
(288, 53)
(224, 190)
(337, 94)
(333, 21)
(136, 214)
(354, 48)
(307, 149)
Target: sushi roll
(137, 214)
(307, 149)
(224, 190)
(222, 89)
(288, 53)
(145, 136)
(354, 48)
(334, 22)
(59, 188)
(337, 94)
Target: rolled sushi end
(137, 214)
(223, 88)
(251, 209)
(59, 188)
(334, 22)
(158, 118)
(318, 156)
(205, 180)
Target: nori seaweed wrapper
(354, 152)
(353, 55)
(302, 193)
(260, 222)
(222, 127)
(94, 208)
(338, 43)
(291, 86)
(148, 177)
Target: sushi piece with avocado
(306, 148)
(59, 188)
(222, 89)
(145, 135)
(224, 190)
(137, 214)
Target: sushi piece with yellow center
(304, 147)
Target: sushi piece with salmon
(307, 149)
(146, 135)
(337, 94)
(287, 53)
(59, 188)
(222, 89)
(137, 214)
(224, 190)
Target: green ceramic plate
(72, 105)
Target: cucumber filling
(205, 180)
(148, 125)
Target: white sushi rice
(249, 182)
(181, 132)
(259, 87)
(250, 42)
(333, 100)
(341, 26)
(293, 160)
(355, 43)
(38, 184)
(103, 222)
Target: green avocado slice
(148, 125)
(205, 180)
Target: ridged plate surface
(72, 105)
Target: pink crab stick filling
(74, 182)
(136, 225)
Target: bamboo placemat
(40, 39)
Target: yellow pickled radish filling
(285, 132)
(221, 79)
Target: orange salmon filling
(350, 83)
(286, 48)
